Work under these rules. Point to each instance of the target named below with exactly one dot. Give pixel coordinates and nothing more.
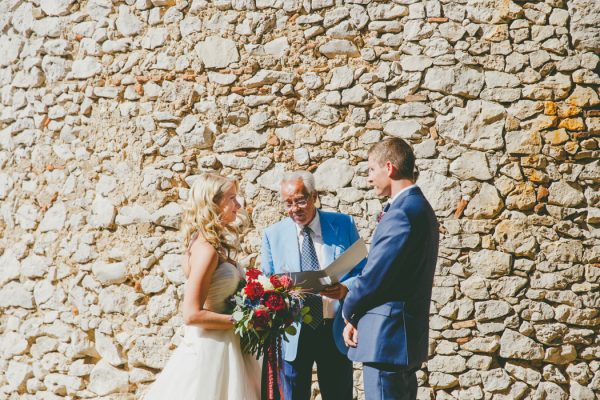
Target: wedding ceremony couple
(378, 314)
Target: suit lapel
(329, 233)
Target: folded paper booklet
(316, 281)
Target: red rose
(253, 290)
(286, 282)
(274, 301)
(253, 273)
(261, 319)
(275, 281)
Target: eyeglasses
(300, 203)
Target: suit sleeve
(266, 259)
(350, 277)
(380, 274)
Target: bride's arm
(202, 264)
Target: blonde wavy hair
(202, 215)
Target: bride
(209, 363)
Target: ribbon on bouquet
(274, 362)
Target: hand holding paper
(336, 291)
(318, 281)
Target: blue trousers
(389, 382)
(334, 370)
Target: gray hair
(306, 177)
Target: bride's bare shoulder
(200, 252)
(200, 246)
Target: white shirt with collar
(317, 238)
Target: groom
(310, 239)
(388, 307)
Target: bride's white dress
(209, 364)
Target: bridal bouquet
(265, 309)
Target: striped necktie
(310, 262)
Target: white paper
(316, 281)
(347, 260)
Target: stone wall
(109, 108)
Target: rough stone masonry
(108, 110)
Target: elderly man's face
(299, 205)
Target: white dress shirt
(317, 238)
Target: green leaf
(291, 330)
(305, 310)
(307, 319)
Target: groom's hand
(336, 291)
(350, 335)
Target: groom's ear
(392, 171)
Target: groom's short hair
(306, 177)
(399, 153)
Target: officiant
(309, 239)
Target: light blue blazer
(281, 249)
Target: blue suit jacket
(280, 249)
(389, 302)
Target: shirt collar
(399, 193)
(315, 226)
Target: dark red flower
(286, 316)
(275, 281)
(253, 273)
(286, 282)
(253, 290)
(261, 319)
(274, 301)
